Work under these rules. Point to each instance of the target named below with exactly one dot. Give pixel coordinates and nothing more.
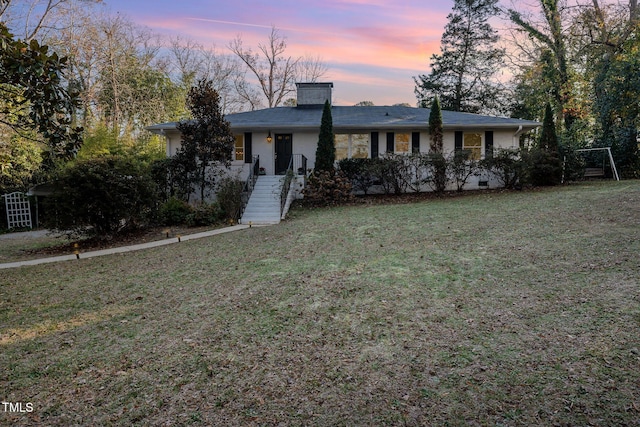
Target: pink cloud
(357, 37)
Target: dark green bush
(174, 212)
(102, 196)
(545, 168)
(204, 214)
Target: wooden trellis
(18, 210)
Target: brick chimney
(313, 95)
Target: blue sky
(373, 48)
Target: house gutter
(518, 132)
(516, 137)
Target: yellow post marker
(76, 251)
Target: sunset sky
(372, 48)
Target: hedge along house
(287, 137)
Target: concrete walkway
(122, 249)
(24, 235)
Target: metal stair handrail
(297, 166)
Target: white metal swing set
(597, 172)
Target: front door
(283, 152)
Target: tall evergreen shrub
(546, 165)
(436, 133)
(326, 150)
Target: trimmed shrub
(204, 214)
(174, 212)
(415, 171)
(326, 150)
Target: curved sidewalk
(122, 249)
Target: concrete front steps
(264, 204)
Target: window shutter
(458, 143)
(415, 142)
(248, 148)
(374, 145)
(390, 142)
(488, 144)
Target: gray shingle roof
(363, 118)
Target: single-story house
(282, 135)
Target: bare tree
(78, 39)
(311, 69)
(185, 59)
(275, 72)
(34, 16)
(191, 61)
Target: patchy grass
(13, 248)
(510, 309)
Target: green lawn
(511, 309)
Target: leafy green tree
(549, 38)
(463, 75)
(618, 110)
(20, 159)
(436, 133)
(101, 141)
(207, 141)
(326, 150)
(533, 85)
(33, 95)
(612, 40)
